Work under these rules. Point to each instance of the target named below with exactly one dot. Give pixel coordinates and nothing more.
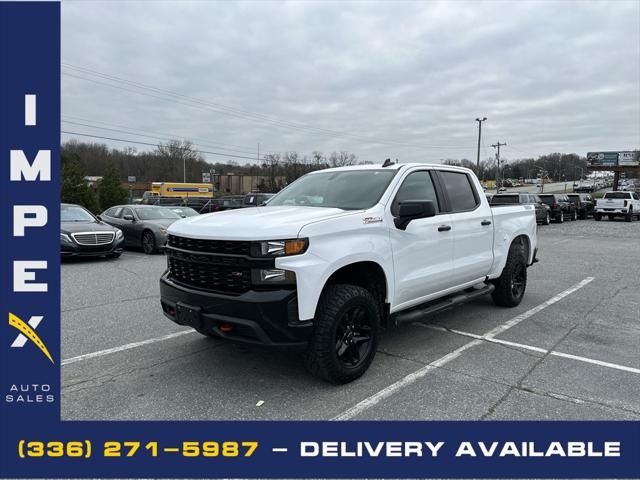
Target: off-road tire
(516, 266)
(321, 358)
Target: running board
(418, 313)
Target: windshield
(505, 199)
(75, 214)
(156, 213)
(348, 190)
(186, 211)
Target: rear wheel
(547, 219)
(148, 242)
(512, 283)
(597, 217)
(560, 217)
(629, 216)
(575, 215)
(345, 336)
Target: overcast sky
(380, 79)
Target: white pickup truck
(341, 254)
(618, 204)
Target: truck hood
(254, 223)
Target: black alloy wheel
(353, 337)
(518, 280)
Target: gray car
(143, 225)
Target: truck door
(423, 253)
(472, 223)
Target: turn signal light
(294, 247)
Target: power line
(113, 125)
(143, 89)
(152, 136)
(153, 144)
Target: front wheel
(345, 336)
(547, 219)
(148, 242)
(560, 218)
(512, 283)
(575, 216)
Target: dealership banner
(35, 442)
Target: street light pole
(497, 146)
(479, 136)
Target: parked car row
(209, 205)
(550, 206)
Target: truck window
(417, 186)
(500, 199)
(461, 194)
(617, 195)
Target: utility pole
(484, 119)
(497, 147)
(184, 169)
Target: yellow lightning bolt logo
(30, 333)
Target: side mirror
(412, 210)
(128, 217)
(99, 218)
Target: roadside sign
(131, 179)
(206, 177)
(631, 159)
(613, 159)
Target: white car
(618, 204)
(341, 254)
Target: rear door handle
(484, 223)
(444, 228)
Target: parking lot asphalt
(570, 350)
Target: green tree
(73, 187)
(110, 191)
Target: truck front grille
(209, 277)
(221, 247)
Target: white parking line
(532, 348)
(418, 374)
(122, 348)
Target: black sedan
(143, 225)
(83, 234)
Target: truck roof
(393, 166)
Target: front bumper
(72, 249)
(258, 317)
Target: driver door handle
(444, 228)
(484, 223)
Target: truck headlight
(281, 248)
(272, 276)
(163, 230)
